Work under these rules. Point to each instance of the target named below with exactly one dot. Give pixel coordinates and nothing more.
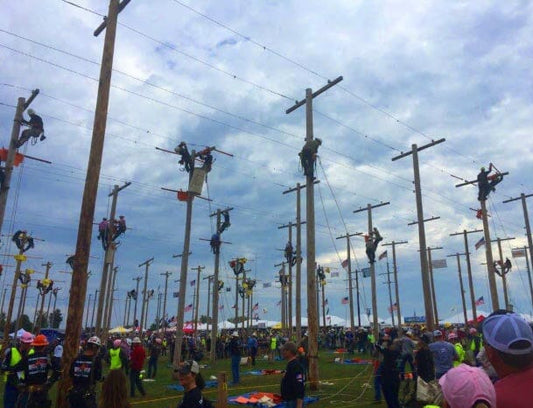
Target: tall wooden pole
(350, 284)
(94, 308)
(395, 268)
(430, 319)
(490, 260)
(48, 266)
(465, 233)
(214, 318)
(146, 265)
(432, 281)
(138, 278)
(312, 319)
(503, 274)
(11, 303)
(197, 303)
(166, 275)
(111, 296)
(22, 105)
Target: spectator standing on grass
(292, 383)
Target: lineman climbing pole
(109, 259)
(22, 105)
(78, 287)
(488, 248)
(375, 324)
(503, 273)
(469, 269)
(395, 268)
(421, 229)
(166, 275)
(350, 286)
(146, 265)
(299, 223)
(463, 301)
(43, 290)
(214, 319)
(528, 234)
(310, 218)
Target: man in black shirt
(36, 128)
(85, 370)
(292, 383)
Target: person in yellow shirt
(454, 339)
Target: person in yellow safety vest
(454, 339)
(116, 357)
(273, 346)
(13, 364)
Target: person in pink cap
(467, 387)
(509, 348)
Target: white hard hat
(94, 340)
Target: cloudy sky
(223, 74)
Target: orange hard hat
(40, 340)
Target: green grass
(348, 384)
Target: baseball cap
(189, 366)
(508, 333)
(437, 333)
(464, 385)
(235, 334)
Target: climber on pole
(215, 243)
(35, 130)
(186, 159)
(371, 242)
(487, 183)
(120, 227)
(226, 224)
(103, 230)
(308, 156)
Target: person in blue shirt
(251, 345)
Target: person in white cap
(192, 382)
(85, 371)
(509, 347)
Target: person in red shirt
(509, 348)
(138, 355)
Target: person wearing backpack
(193, 383)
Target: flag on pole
(334, 274)
(394, 307)
(176, 294)
(193, 282)
(366, 272)
(480, 301)
(188, 308)
(345, 300)
(344, 263)
(383, 255)
(221, 307)
(480, 243)
(518, 252)
(439, 263)
(256, 307)
(279, 303)
(267, 284)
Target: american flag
(345, 300)
(480, 243)
(383, 255)
(394, 307)
(256, 307)
(518, 252)
(193, 282)
(344, 263)
(480, 301)
(188, 308)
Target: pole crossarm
(433, 143)
(290, 190)
(502, 239)
(147, 262)
(103, 26)
(465, 232)
(425, 220)
(361, 209)
(466, 183)
(395, 243)
(517, 198)
(315, 94)
(347, 235)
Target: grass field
(346, 385)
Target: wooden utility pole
(469, 269)
(421, 229)
(488, 248)
(109, 258)
(214, 318)
(350, 286)
(395, 268)
(368, 209)
(94, 309)
(522, 198)
(22, 105)
(432, 280)
(312, 319)
(503, 273)
(463, 301)
(208, 309)
(198, 269)
(3, 300)
(289, 261)
(299, 223)
(127, 302)
(19, 258)
(48, 265)
(388, 283)
(166, 275)
(138, 278)
(146, 265)
(22, 301)
(110, 302)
